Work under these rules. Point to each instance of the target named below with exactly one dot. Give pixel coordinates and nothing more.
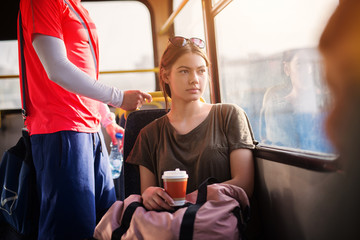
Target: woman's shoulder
(227, 108)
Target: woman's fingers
(163, 194)
(157, 200)
(163, 200)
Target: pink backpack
(220, 212)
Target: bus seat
(122, 121)
(134, 123)
(158, 102)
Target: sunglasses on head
(181, 41)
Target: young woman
(205, 140)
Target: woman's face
(188, 77)
(300, 70)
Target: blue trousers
(74, 183)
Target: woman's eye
(184, 71)
(202, 71)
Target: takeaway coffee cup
(175, 183)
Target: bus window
(190, 23)
(124, 29)
(9, 66)
(125, 37)
(270, 66)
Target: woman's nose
(194, 78)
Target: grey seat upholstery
(134, 123)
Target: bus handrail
(9, 76)
(171, 18)
(155, 70)
(219, 6)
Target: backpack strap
(23, 68)
(241, 221)
(125, 223)
(187, 224)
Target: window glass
(269, 65)
(125, 36)
(189, 23)
(9, 65)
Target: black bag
(19, 205)
(19, 208)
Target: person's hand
(155, 198)
(112, 129)
(134, 99)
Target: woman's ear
(165, 75)
(166, 78)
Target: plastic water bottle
(116, 156)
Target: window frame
(295, 157)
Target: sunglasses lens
(181, 41)
(178, 41)
(198, 42)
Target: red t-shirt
(50, 107)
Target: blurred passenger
(295, 108)
(205, 140)
(340, 46)
(65, 105)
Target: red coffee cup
(175, 183)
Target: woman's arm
(154, 198)
(242, 170)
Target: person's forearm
(52, 54)
(248, 188)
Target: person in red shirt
(66, 106)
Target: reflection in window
(269, 65)
(293, 110)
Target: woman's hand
(155, 198)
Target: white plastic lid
(174, 174)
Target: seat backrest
(158, 102)
(134, 123)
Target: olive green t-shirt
(203, 152)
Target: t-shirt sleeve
(45, 17)
(238, 129)
(141, 153)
